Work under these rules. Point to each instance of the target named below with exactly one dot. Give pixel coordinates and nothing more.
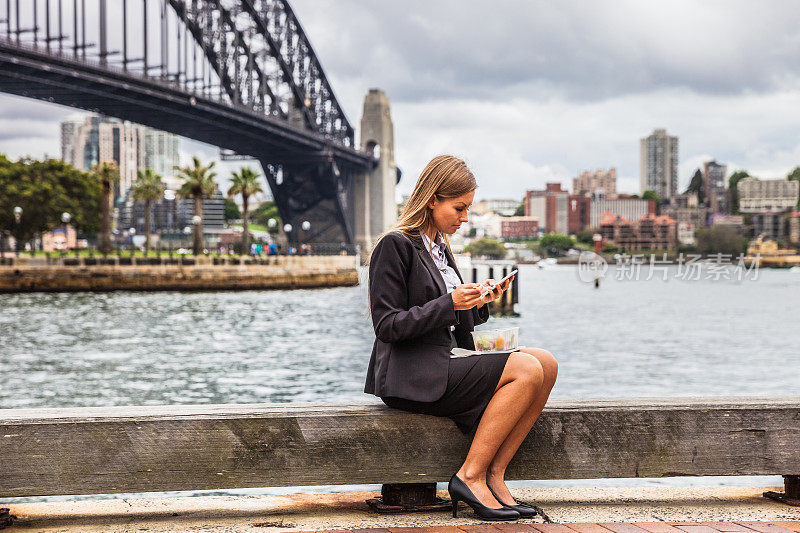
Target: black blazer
(412, 313)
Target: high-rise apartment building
(162, 155)
(130, 146)
(658, 164)
(599, 183)
(99, 139)
(714, 186)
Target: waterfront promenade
(156, 274)
(569, 510)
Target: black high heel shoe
(460, 492)
(525, 511)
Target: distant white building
(686, 233)
(505, 207)
(630, 208)
(757, 195)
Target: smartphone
(502, 280)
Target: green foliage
(198, 180)
(244, 182)
(555, 243)
(232, 211)
(486, 247)
(148, 186)
(733, 183)
(44, 190)
(266, 211)
(794, 174)
(650, 195)
(520, 210)
(585, 236)
(720, 239)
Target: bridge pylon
(374, 204)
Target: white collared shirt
(449, 274)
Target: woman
(420, 309)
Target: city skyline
(522, 117)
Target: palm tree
(198, 184)
(148, 189)
(245, 182)
(108, 174)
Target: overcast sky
(528, 92)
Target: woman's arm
(480, 314)
(388, 290)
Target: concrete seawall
(284, 272)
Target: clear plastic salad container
(495, 340)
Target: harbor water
(627, 338)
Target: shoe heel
(455, 507)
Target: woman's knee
(528, 369)
(548, 362)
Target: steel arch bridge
(238, 74)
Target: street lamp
(287, 229)
(196, 220)
(17, 220)
(306, 225)
(65, 218)
(597, 238)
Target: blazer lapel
(452, 261)
(427, 260)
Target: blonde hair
(445, 176)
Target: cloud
(530, 92)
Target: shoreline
(303, 272)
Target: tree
(487, 248)
(650, 195)
(44, 190)
(733, 184)
(794, 175)
(266, 211)
(245, 183)
(720, 239)
(555, 243)
(198, 184)
(107, 175)
(148, 189)
(696, 186)
(586, 236)
(520, 210)
(231, 210)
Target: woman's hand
(466, 296)
(495, 290)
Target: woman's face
(450, 213)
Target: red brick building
(650, 232)
(549, 206)
(519, 227)
(579, 212)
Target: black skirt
(471, 382)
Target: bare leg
(518, 386)
(496, 473)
